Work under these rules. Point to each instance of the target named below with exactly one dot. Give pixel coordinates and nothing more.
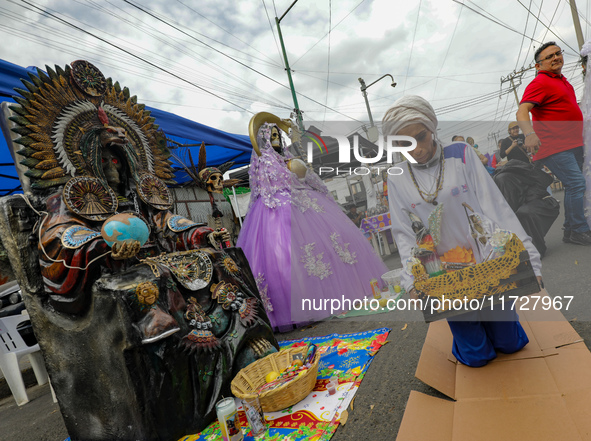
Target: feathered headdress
(62, 117)
(201, 174)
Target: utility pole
(288, 69)
(495, 137)
(577, 23)
(511, 78)
(515, 90)
(372, 134)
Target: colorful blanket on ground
(317, 417)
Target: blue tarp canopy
(221, 146)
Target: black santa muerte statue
(143, 323)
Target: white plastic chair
(12, 348)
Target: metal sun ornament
(154, 192)
(193, 269)
(88, 78)
(90, 198)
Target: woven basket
(250, 378)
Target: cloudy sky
(219, 61)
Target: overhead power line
(495, 20)
(221, 85)
(324, 36)
(522, 39)
(550, 30)
(552, 19)
(227, 31)
(42, 11)
(98, 51)
(460, 105)
(133, 55)
(250, 94)
(412, 44)
(447, 51)
(254, 70)
(202, 42)
(534, 32)
(273, 31)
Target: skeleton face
(276, 139)
(213, 179)
(214, 183)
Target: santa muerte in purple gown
(302, 248)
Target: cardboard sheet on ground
(319, 414)
(540, 393)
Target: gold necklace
(430, 198)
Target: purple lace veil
(270, 178)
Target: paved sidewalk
(38, 420)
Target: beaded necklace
(430, 198)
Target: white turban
(406, 111)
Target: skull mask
(213, 179)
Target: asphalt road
(380, 402)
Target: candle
(229, 423)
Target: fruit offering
(271, 376)
(299, 365)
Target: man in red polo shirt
(556, 137)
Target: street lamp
(372, 134)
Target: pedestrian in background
(513, 147)
(556, 137)
(496, 160)
(354, 216)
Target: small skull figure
(213, 179)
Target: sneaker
(580, 238)
(566, 236)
